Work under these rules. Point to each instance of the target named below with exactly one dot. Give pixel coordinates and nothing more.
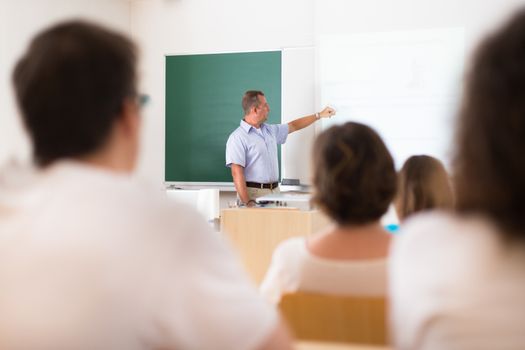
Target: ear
(130, 117)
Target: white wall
(20, 20)
(476, 16)
(433, 39)
(298, 92)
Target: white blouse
(294, 268)
(455, 285)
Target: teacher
(251, 150)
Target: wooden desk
(255, 232)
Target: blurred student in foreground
(88, 258)
(354, 183)
(423, 184)
(458, 281)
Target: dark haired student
(89, 259)
(354, 183)
(458, 280)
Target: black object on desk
(291, 182)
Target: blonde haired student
(423, 184)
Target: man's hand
(327, 112)
(303, 122)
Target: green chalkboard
(203, 106)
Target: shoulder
(294, 244)
(443, 247)
(291, 250)
(137, 208)
(238, 136)
(275, 128)
(236, 133)
(443, 228)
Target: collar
(247, 127)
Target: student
(88, 258)
(423, 184)
(354, 183)
(458, 280)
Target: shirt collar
(247, 127)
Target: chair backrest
(336, 318)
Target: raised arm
(303, 122)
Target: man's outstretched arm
(303, 122)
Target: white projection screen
(404, 84)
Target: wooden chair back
(322, 317)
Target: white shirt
(294, 268)
(91, 260)
(454, 285)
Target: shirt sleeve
(282, 275)
(282, 134)
(271, 286)
(208, 292)
(280, 131)
(235, 152)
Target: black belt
(261, 186)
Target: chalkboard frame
(187, 98)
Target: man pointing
(251, 150)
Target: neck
(107, 161)
(367, 228)
(351, 242)
(248, 119)
(113, 156)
